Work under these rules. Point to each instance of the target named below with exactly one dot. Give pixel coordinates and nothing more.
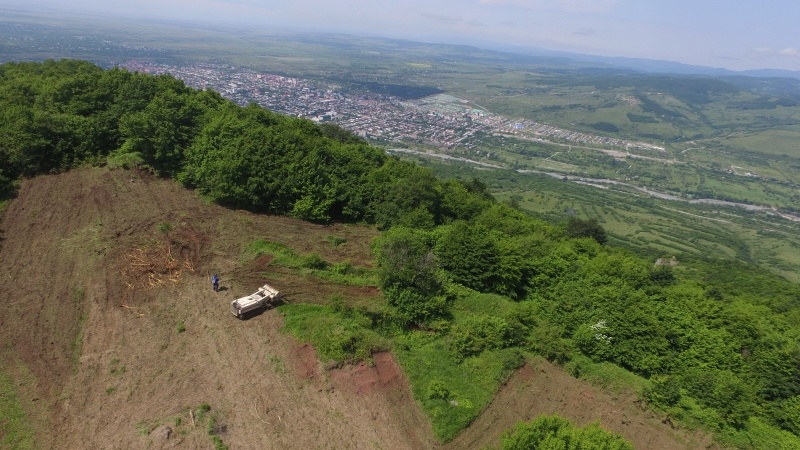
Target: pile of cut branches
(153, 266)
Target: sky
(731, 34)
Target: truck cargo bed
(263, 297)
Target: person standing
(215, 282)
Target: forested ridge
(470, 283)
(59, 115)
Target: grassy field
(15, 428)
(649, 226)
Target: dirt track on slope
(111, 332)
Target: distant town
(439, 120)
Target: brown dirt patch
(380, 384)
(101, 364)
(381, 375)
(543, 388)
(305, 362)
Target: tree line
(58, 115)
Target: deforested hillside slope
(103, 350)
(112, 333)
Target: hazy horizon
(712, 33)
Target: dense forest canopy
(60, 115)
(483, 282)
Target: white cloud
(571, 6)
(767, 51)
(442, 18)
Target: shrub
(477, 334)
(554, 432)
(342, 268)
(413, 307)
(547, 341)
(343, 335)
(578, 228)
(662, 275)
(164, 228)
(336, 240)
(788, 415)
(314, 261)
(119, 160)
(336, 303)
(731, 397)
(664, 392)
(438, 390)
(513, 359)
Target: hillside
(99, 354)
(461, 288)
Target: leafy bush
(546, 340)
(481, 259)
(438, 390)
(760, 435)
(470, 385)
(664, 391)
(408, 275)
(662, 275)
(512, 359)
(129, 160)
(342, 268)
(788, 414)
(723, 391)
(414, 307)
(476, 334)
(314, 261)
(554, 432)
(578, 228)
(336, 241)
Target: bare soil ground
(111, 329)
(543, 388)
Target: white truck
(262, 298)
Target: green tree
(470, 253)
(578, 228)
(476, 334)
(407, 269)
(339, 134)
(463, 201)
(404, 194)
(163, 130)
(788, 414)
(732, 397)
(556, 433)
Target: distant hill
(645, 64)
